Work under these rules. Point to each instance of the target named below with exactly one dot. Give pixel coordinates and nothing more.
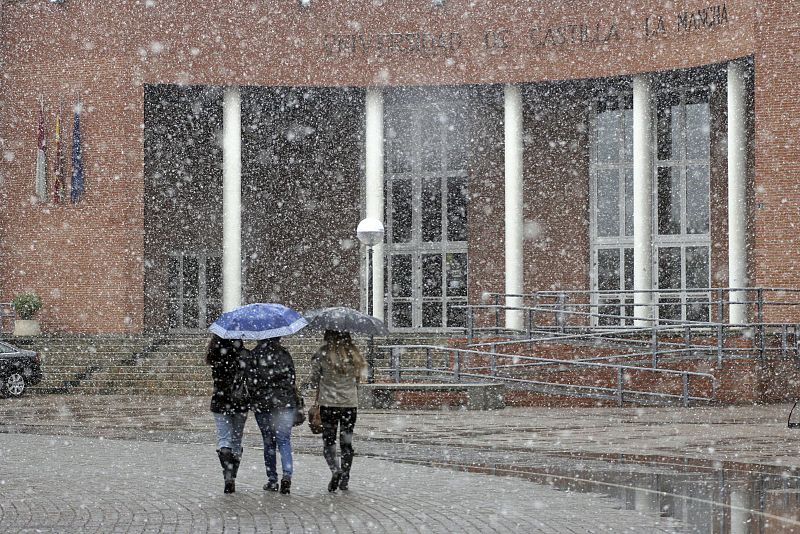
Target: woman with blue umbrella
(270, 379)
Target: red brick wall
(87, 260)
(777, 177)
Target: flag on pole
(59, 169)
(76, 187)
(40, 183)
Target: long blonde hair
(342, 354)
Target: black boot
(344, 480)
(286, 486)
(333, 485)
(229, 465)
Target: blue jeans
(276, 430)
(230, 429)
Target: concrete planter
(28, 327)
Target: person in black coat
(273, 399)
(229, 402)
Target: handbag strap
(789, 420)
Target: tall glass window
(426, 210)
(682, 228)
(680, 203)
(611, 170)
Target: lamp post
(370, 233)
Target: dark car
(19, 368)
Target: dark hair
(217, 347)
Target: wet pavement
(710, 469)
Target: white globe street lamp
(370, 232)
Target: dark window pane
(668, 126)
(191, 277)
(214, 278)
(669, 268)
(669, 201)
(697, 197)
(432, 209)
(191, 314)
(401, 314)
(401, 210)
(457, 275)
(697, 310)
(432, 314)
(456, 208)
(456, 317)
(606, 310)
(668, 310)
(697, 271)
(401, 275)
(607, 202)
(213, 290)
(173, 277)
(608, 269)
(174, 311)
(628, 269)
(432, 275)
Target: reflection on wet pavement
(714, 470)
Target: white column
(374, 188)
(231, 199)
(642, 198)
(737, 191)
(513, 205)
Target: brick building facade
(144, 249)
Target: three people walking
(263, 380)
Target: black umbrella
(346, 320)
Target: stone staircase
(154, 364)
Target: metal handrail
(459, 371)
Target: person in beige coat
(336, 369)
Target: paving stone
(64, 484)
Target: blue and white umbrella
(258, 321)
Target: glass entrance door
(195, 290)
(426, 214)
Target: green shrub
(26, 305)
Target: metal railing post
(457, 368)
(720, 309)
(493, 364)
(470, 324)
(497, 314)
(760, 314)
(561, 316)
(784, 341)
(654, 346)
(396, 364)
(685, 390)
(428, 359)
(720, 344)
(619, 387)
